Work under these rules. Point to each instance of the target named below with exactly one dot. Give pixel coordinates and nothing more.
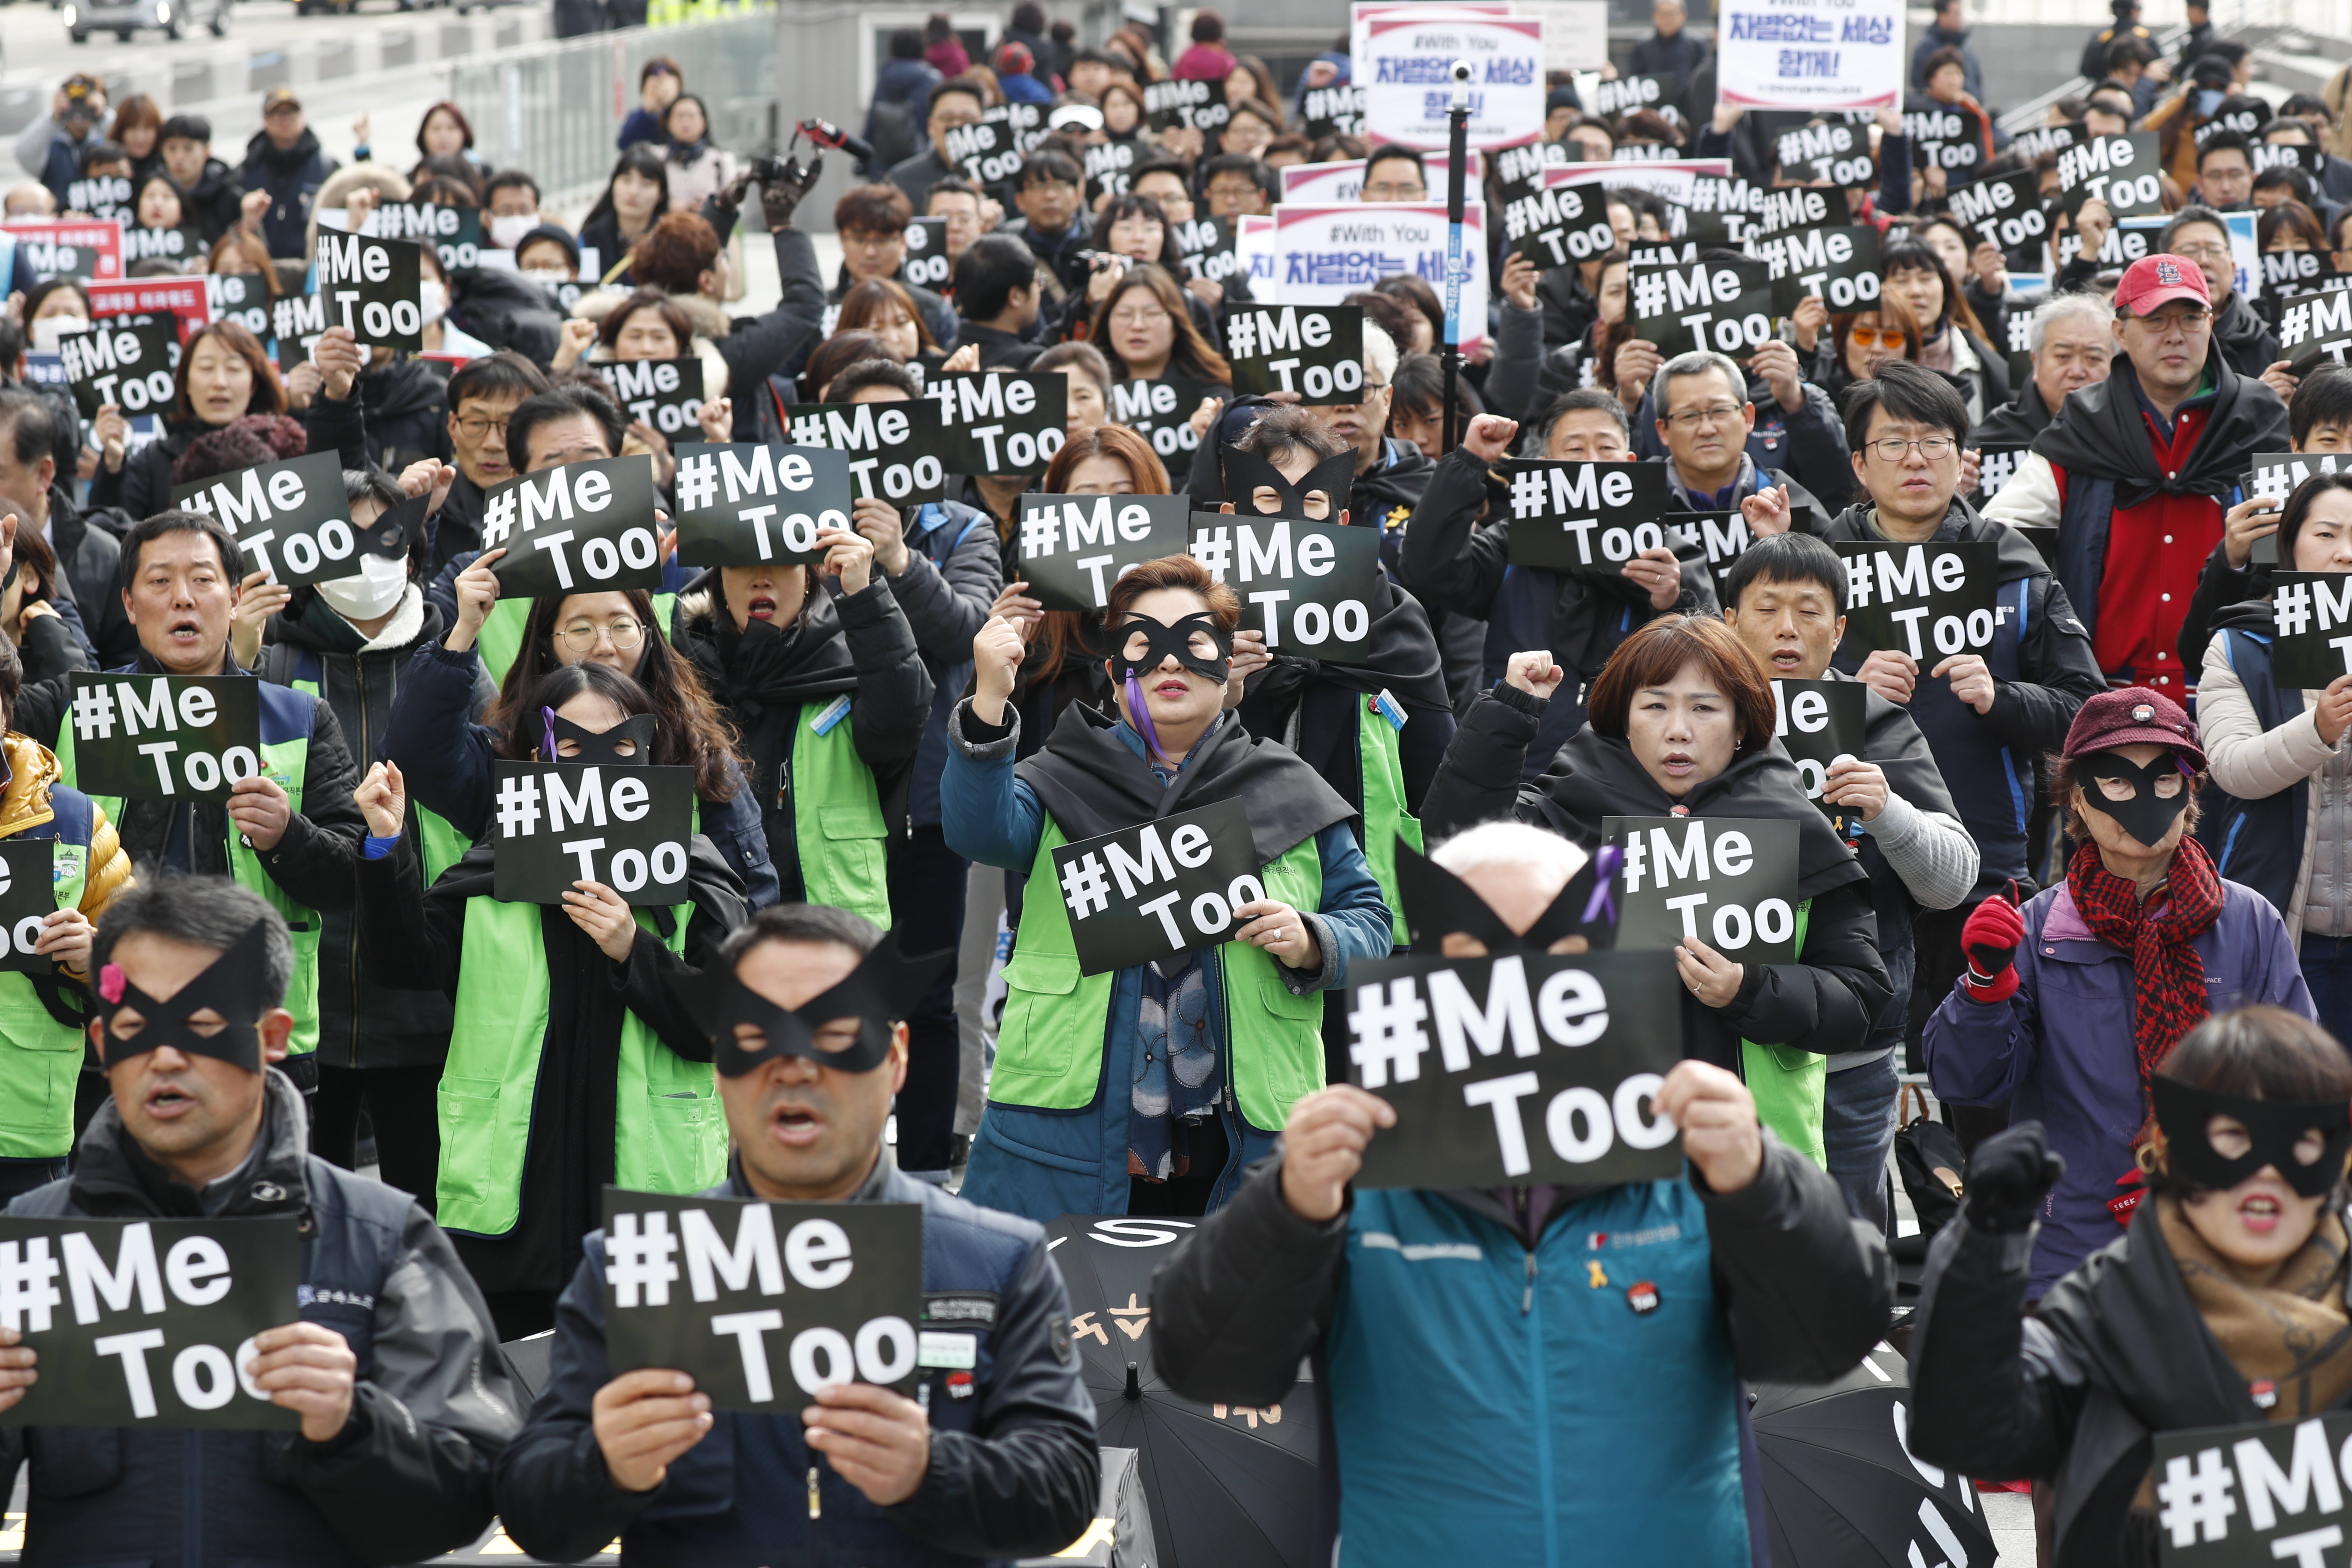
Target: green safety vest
(500, 639)
(1049, 1048)
(670, 1134)
(837, 823)
(40, 1058)
(1386, 820)
(1789, 1082)
(285, 762)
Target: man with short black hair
(510, 208)
(1050, 190)
(482, 396)
(997, 301)
(1233, 184)
(965, 207)
(284, 158)
(291, 833)
(2225, 173)
(871, 221)
(958, 101)
(997, 1460)
(213, 205)
(391, 1361)
(1394, 174)
(1784, 598)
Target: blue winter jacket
(2059, 1049)
(1567, 1398)
(1044, 1163)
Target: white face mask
(506, 229)
(49, 329)
(376, 590)
(434, 297)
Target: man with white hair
(2072, 341)
(1426, 1310)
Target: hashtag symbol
(2200, 1499)
(498, 519)
(28, 1289)
(1514, 221)
(518, 805)
(1528, 493)
(2294, 608)
(1241, 334)
(1213, 548)
(637, 1262)
(2270, 483)
(808, 430)
(93, 710)
(1649, 294)
(1040, 532)
(2297, 326)
(698, 481)
(1085, 888)
(1388, 1037)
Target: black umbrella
(1229, 1487)
(1840, 1485)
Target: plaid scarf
(2168, 974)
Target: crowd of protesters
(2088, 885)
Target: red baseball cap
(2134, 715)
(2154, 281)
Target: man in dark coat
(284, 158)
(87, 556)
(997, 1461)
(391, 1362)
(214, 200)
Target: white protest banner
(1405, 63)
(1810, 54)
(1308, 184)
(1323, 254)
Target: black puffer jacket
(405, 408)
(293, 177)
(89, 556)
(361, 1023)
(2116, 1351)
(433, 1406)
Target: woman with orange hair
(1680, 722)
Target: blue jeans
(1858, 1131)
(2327, 970)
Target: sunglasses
(1874, 337)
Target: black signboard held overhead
(1074, 548)
(292, 520)
(743, 504)
(626, 826)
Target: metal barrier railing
(553, 108)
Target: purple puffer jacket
(2062, 1045)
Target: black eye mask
(1245, 471)
(1438, 903)
(596, 747)
(228, 987)
(1164, 642)
(2147, 816)
(388, 536)
(2273, 1126)
(877, 994)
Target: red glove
(1989, 938)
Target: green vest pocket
(471, 1143)
(673, 1160)
(1035, 984)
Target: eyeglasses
(869, 240)
(1692, 418)
(1874, 337)
(1935, 448)
(2212, 250)
(582, 637)
(1154, 317)
(2179, 321)
(476, 427)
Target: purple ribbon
(1142, 716)
(547, 716)
(1604, 886)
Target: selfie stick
(1458, 158)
